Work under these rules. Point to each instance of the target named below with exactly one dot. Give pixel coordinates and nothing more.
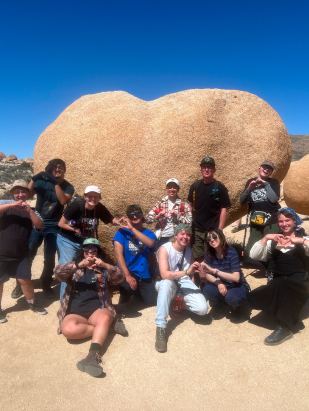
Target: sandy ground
(208, 366)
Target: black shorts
(15, 269)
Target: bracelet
(186, 272)
(216, 270)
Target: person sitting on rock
(262, 194)
(53, 192)
(225, 282)
(80, 221)
(169, 212)
(86, 309)
(16, 222)
(177, 268)
(286, 294)
(133, 244)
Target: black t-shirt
(15, 231)
(207, 203)
(85, 220)
(84, 298)
(258, 200)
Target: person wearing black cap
(262, 194)
(210, 201)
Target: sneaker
(48, 293)
(161, 344)
(17, 292)
(120, 328)
(37, 309)
(236, 229)
(91, 364)
(3, 318)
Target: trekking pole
(244, 240)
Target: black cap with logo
(208, 160)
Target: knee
(202, 307)
(166, 287)
(23, 282)
(68, 330)
(105, 320)
(234, 300)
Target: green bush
(25, 166)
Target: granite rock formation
(296, 186)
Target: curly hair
(53, 163)
(211, 252)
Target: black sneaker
(91, 364)
(37, 309)
(3, 318)
(281, 334)
(17, 292)
(48, 293)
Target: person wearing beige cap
(170, 211)
(17, 219)
(80, 221)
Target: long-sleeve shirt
(262, 252)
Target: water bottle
(72, 223)
(178, 301)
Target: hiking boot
(240, 314)
(281, 334)
(37, 309)
(2, 317)
(17, 292)
(91, 364)
(120, 328)
(48, 293)
(218, 311)
(161, 344)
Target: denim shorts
(15, 269)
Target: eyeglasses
(58, 168)
(212, 236)
(138, 214)
(87, 250)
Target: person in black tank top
(287, 293)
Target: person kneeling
(177, 267)
(86, 309)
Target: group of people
(187, 255)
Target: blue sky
(53, 52)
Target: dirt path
(208, 366)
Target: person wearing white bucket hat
(80, 221)
(169, 212)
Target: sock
(95, 347)
(30, 301)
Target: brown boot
(91, 364)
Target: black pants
(145, 290)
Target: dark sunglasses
(87, 250)
(138, 214)
(212, 236)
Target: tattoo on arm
(173, 276)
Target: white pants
(193, 299)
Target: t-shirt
(168, 230)
(15, 230)
(84, 298)
(258, 200)
(135, 252)
(175, 257)
(85, 220)
(229, 264)
(207, 204)
(47, 203)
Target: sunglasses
(87, 250)
(138, 214)
(212, 236)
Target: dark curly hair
(211, 252)
(53, 163)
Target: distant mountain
(300, 146)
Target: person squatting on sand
(169, 212)
(86, 309)
(80, 221)
(177, 268)
(210, 201)
(262, 194)
(16, 222)
(226, 284)
(53, 192)
(287, 293)
(133, 244)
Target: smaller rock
(2, 156)
(29, 160)
(10, 158)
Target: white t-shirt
(168, 230)
(174, 259)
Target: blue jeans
(49, 235)
(234, 296)
(193, 299)
(67, 251)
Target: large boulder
(296, 186)
(28, 160)
(130, 147)
(10, 158)
(2, 156)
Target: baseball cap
(173, 180)
(19, 183)
(268, 163)
(208, 160)
(92, 241)
(95, 189)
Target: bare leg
(101, 319)
(76, 327)
(27, 287)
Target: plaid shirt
(185, 218)
(64, 273)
